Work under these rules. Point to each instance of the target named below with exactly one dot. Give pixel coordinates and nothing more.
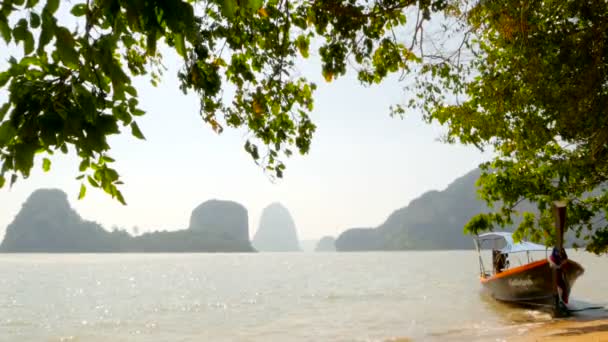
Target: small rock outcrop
(326, 244)
(359, 239)
(277, 231)
(308, 245)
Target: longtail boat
(546, 281)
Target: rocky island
(277, 231)
(432, 221)
(47, 223)
(326, 244)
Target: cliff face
(326, 244)
(277, 231)
(47, 223)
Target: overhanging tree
(531, 83)
(526, 78)
(72, 84)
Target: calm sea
(262, 297)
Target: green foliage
(83, 191)
(528, 81)
(46, 164)
(533, 89)
(72, 86)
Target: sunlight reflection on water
(260, 297)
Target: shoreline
(569, 329)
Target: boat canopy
(510, 245)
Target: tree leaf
(83, 165)
(180, 44)
(7, 132)
(254, 5)
(2, 181)
(5, 30)
(229, 8)
(28, 44)
(46, 164)
(107, 159)
(34, 20)
(83, 191)
(138, 112)
(4, 77)
(92, 181)
(46, 33)
(120, 113)
(19, 32)
(151, 43)
(136, 131)
(31, 3)
(303, 43)
(79, 10)
(13, 179)
(4, 108)
(52, 6)
(120, 198)
(110, 174)
(131, 90)
(65, 48)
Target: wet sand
(594, 330)
(527, 326)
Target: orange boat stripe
(515, 270)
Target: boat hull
(531, 283)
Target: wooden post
(559, 209)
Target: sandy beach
(594, 330)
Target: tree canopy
(527, 79)
(72, 85)
(532, 84)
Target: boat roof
(510, 245)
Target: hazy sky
(362, 165)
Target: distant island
(47, 223)
(326, 244)
(434, 220)
(308, 245)
(277, 231)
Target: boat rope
(598, 307)
(588, 308)
(537, 304)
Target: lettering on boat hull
(521, 282)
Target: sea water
(431, 295)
